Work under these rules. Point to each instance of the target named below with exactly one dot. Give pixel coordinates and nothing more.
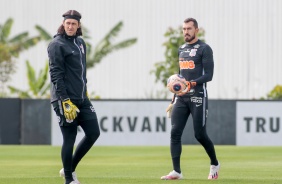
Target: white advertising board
(258, 123)
(126, 123)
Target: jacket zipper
(81, 67)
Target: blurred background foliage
(275, 93)
(10, 49)
(38, 86)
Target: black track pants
(70, 161)
(196, 106)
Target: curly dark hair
(74, 15)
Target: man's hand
(70, 110)
(193, 84)
(189, 85)
(169, 110)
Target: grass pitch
(128, 165)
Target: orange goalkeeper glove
(189, 85)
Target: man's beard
(189, 39)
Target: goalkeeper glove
(189, 85)
(169, 110)
(70, 110)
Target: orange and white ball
(177, 84)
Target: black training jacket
(67, 66)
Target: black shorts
(87, 112)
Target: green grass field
(126, 165)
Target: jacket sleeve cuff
(63, 98)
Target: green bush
(275, 93)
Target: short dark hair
(71, 14)
(192, 20)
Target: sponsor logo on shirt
(186, 64)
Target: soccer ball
(177, 84)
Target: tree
(10, 49)
(164, 69)
(38, 86)
(106, 46)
